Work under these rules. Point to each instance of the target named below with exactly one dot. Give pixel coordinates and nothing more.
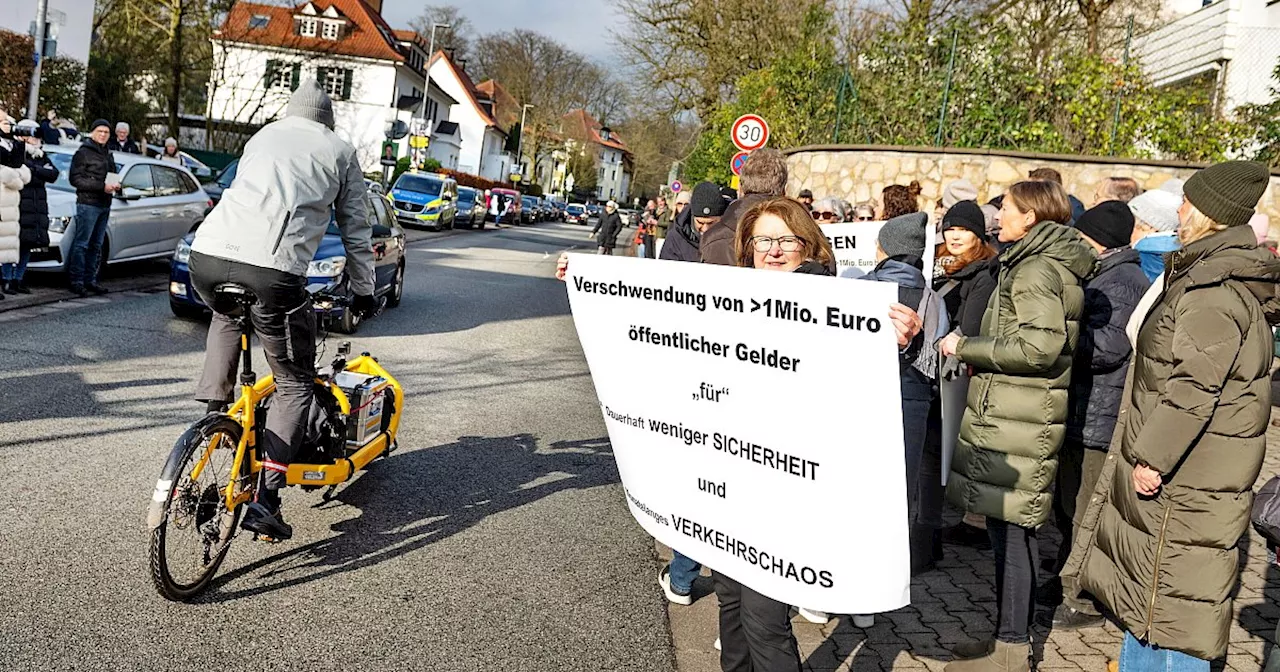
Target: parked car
(505, 206)
(221, 182)
(594, 209)
(158, 205)
(326, 276)
(529, 210)
(425, 199)
(471, 210)
(575, 213)
(558, 206)
(197, 167)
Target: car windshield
(575, 209)
(529, 202)
(228, 174)
(466, 194)
(63, 163)
(420, 184)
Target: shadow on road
(417, 497)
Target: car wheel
(185, 311)
(483, 220)
(350, 322)
(397, 290)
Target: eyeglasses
(823, 215)
(785, 243)
(866, 218)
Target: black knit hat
(707, 201)
(1110, 223)
(1228, 192)
(968, 216)
(99, 122)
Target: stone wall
(859, 172)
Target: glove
(364, 305)
(952, 368)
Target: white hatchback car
(158, 205)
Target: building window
(330, 31)
(281, 75)
(335, 81)
(307, 28)
(259, 21)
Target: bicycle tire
(159, 517)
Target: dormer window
(604, 133)
(331, 29)
(259, 21)
(307, 28)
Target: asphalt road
(496, 539)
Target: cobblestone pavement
(956, 602)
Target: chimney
(375, 5)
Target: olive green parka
(1006, 457)
(1196, 411)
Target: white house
(481, 136)
(613, 161)
(1228, 47)
(373, 74)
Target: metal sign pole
(33, 99)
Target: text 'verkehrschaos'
(764, 456)
(760, 558)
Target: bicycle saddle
(233, 296)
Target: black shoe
(259, 520)
(1049, 594)
(1066, 618)
(79, 291)
(963, 534)
(20, 288)
(7, 287)
(97, 289)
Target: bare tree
(458, 37)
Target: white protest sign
(854, 246)
(738, 437)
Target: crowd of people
(1118, 359)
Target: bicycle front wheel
(191, 527)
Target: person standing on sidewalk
(1164, 557)
(89, 169)
(14, 176)
(1098, 372)
(1017, 406)
(607, 229)
(33, 211)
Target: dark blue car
(326, 279)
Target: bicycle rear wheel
(191, 527)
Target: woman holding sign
(1006, 456)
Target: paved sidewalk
(956, 602)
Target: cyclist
(263, 235)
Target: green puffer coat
(1005, 460)
(1197, 413)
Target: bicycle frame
(244, 410)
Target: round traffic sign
(750, 132)
(737, 162)
(676, 187)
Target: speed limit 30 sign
(750, 132)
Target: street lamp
(426, 74)
(520, 141)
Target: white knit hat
(1158, 208)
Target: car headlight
(326, 268)
(183, 254)
(59, 224)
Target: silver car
(158, 204)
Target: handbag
(1266, 511)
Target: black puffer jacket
(967, 301)
(89, 168)
(34, 206)
(1102, 356)
(608, 228)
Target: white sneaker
(717, 643)
(815, 617)
(863, 621)
(664, 580)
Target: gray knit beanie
(1228, 192)
(309, 102)
(904, 234)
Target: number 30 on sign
(750, 132)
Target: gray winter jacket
(275, 213)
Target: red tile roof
(506, 109)
(367, 34)
(582, 124)
(468, 86)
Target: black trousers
(755, 631)
(285, 323)
(1017, 555)
(1079, 468)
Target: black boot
(20, 287)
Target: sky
(583, 25)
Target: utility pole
(33, 99)
(946, 92)
(426, 82)
(1115, 116)
(520, 141)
